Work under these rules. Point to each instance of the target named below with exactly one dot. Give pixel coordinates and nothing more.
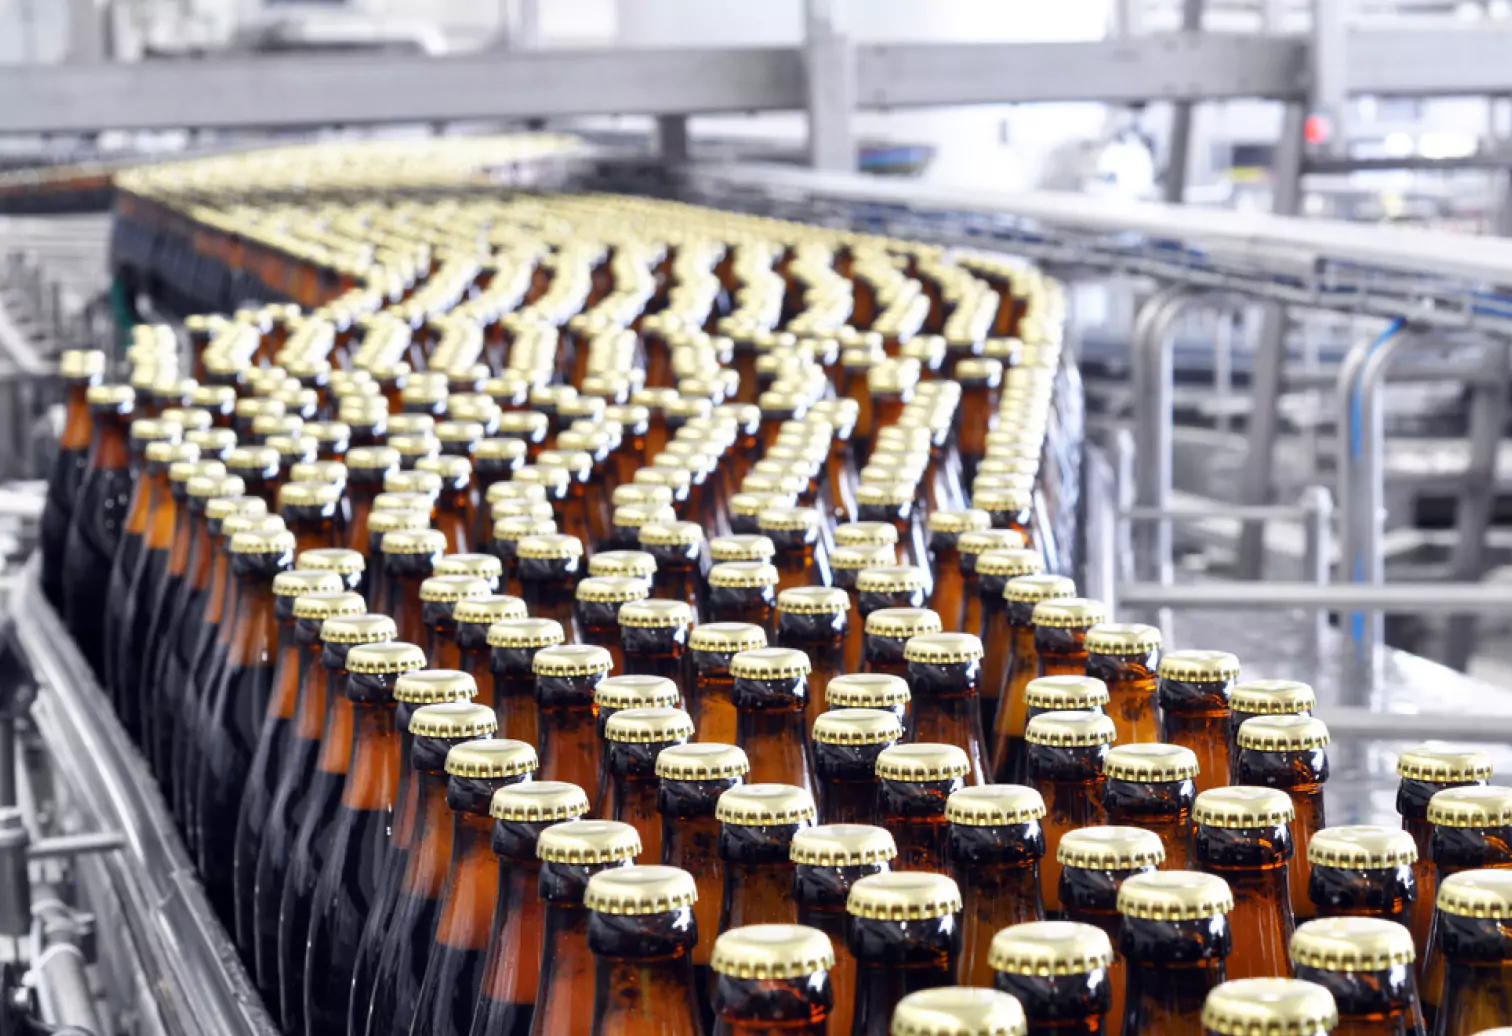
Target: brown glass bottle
(846, 744)
(570, 749)
(1060, 634)
(1150, 786)
(914, 783)
(480, 566)
(654, 637)
(713, 645)
(409, 559)
(596, 608)
(1065, 764)
(1251, 698)
(570, 855)
(456, 503)
(1194, 713)
(439, 597)
(678, 548)
(1243, 835)
(1362, 871)
(991, 571)
(794, 531)
(615, 693)
(950, 594)
(380, 524)
(889, 586)
(757, 824)
(770, 694)
(1288, 752)
(1366, 963)
(1174, 940)
(882, 691)
(1059, 971)
(812, 619)
(897, 504)
(958, 1010)
(313, 513)
(633, 738)
(888, 631)
(773, 978)
(1265, 1005)
(905, 936)
(642, 931)
(494, 462)
(742, 591)
(1124, 656)
(80, 369)
(507, 534)
(993, 846)
(1021, 594)
(1473, 937)
(548, 571)
(474, 617)
(513, 645)
(944, 674)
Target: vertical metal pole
(830, 58)
(1223, 367)
(1330, 70)
(1319, 507)
(1124, 500)
(672, 138)
(1181, 119)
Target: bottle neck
(76, 424)
(643, 973)
(373, 771)
(109, 448)
(765, 1007)
(254, 632)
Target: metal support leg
(1319, 560)
(672, 138)
(831, 69)
(1181, 119)
(1152, 376)
(1370, 515)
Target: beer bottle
(1266, 1005)
(258, 467)
(334, 437)
(1059, 971)
(741, 547)
(1366, 963)
(905, 936)
(357, 835)
(642, 932)
(770, 694)
(773, 978)
(629, 519)
(847, 743)
(409, 559)
(944, 674)
(439, 597)
(1426, 770)
(570, 750)
(80, 370)
(846, 565)
(623, 563)
(548, 568)
(480, 566)
(1174, 940)
(888, 631)
(1124, 656)
(991, 571)
(1193, 694)
(1476, 944)
(872, 691)
(570, 854)
(756, 827)
(890, 586)
(633, 739)
(456, 504)
(380, 524)
(958, 1011)
(812, 619)
(1060, 634)
(148, 491)
(1065, 763)
(494, 463)
(475, 771)
(1022, 595)
(513, 644)
(1151, 786)
(1287, 752)
(947, 567)
(678, 549)
(596, 612)
(743, 591)
(347, 564)
(894, 503)
(1251, 698)
(1243, 835)
(507, 534)
(1095, 862)
(994, 845)
(312, 511)
(713, 645)
(474, 617)
(401, 948)
(794, 531)
(1362, 871)
(320, 754)
(914, 783)
(654, 637)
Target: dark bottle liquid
(380, 524)
(456, 505)
(871, 691)
(678, 548)
(513, 644)
(846, 745)
(1151, 786)
(812, 619)
(642, 933)
(742, 591)
(991, 569)
(570, 749)
(712, 646)
(1362, 871)
(1124, 657)
(905, 935)
(654, 637)
(1269, 1005)
(846, 565)
(1174, 941)
(895, 503)
(508, 531)
(633, 738)
(548, 570)
(512, 963)
(1021, 595)
(1251, 698)
(1065, 763)
(409, 559)
(888, 631)
(757, 824)
(1473, 937)
(595, 612)
(1194, 688)
(1288, 752)
(1059, 971)
(474, 617)
(881, 587)
(770, 695)
(994, 845)
(258, 467)
(439, 597)
(1366, 963)
(914, 783)
(945, 673)
(80, 369)
(773, 979)
(950, 595)
(1243, 835)
(494, 462)
(486, 567)
(314, 514)
(794, 531)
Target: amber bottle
(409, 559)
(742, 591)
(654, 637)
(474, 617)
(905, 935)
(1243, 835)
(1151, 786)
(439, 597)
(944, 674)
(914, 783)
(380, 524)
(678, 548)
(888, 631)
(1288, 752)
(1022, 595)
(1174, 940)
(1265, 1005)
(548, 571)
(513, 644)
(628, 520)
(795, 532)
(812, 619)
(993, 845)
(992, 569)
(1193, 695)
(1059, 971)
(846, 745)
(949, 595)
(770, 694)
(615, 693)
(480, 566)
(596, 612)
(1366, 963)
(958, 1009)
(1251, 698)
(1473, 937)
(80, 370)
(1124, 657)
(1060, 634)
(1065, 764)
(569, 746)
(494, 462)
(713, 645)
(757, 824)
(457, 503)
(1362, 871)
(897, 504)
(507, 533)
(773, 978)
(258, 467)
(889, 586)
(642, 931)
(313, 513)
(633, 738)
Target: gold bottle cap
(636, 692)
(903, 896)
(1150, 763)
(500, 449)
(636, 891)
(1272, 697)
(416, 481)
(531, 491)
(81, 363)
(184, 470)
(181, 454)
(460, 431)
(555, 479)
(866, 534)
(1110, 848)
(638, 494)
(636, 563)
(413, 541)
(842, 845)
(223, 497)
(1073, 729)
(1069, 613)
(859, 559)
(637, 516)
(110, 395)
(571, 660)
(218, 440)
(1352, 944)
(272, 541)
(959, 1011)
(489, 609)
(1036, 588)
(1471, 806)
(1121, 638)
(386, 522)
(655, 614)
(788, 519)
(480, 566)
(588, 843)
(612, 589)
(743, 574)
(1174, 896)
(358, 629)
(394, 656)
(414, 445)
(771, 952)
(903, 623)
(432, 686)
(702, 761)
(994, 805)
(1282, 733)
(813, 600)
(1359, 847)
(299, 583)
(891, 579)
(151, 429)
(681, 534)
(550, 548)
(1485, 894)
(1043, 949)
(233, 524)
(333, 472)
(405, 499)
(324, 606)
(727, 637)
(1199, 666)
(1240, 806)
(1269, 1007)
(1064, 693)
(765, 805)
(923, 761)
(646, 726)
(524, 422)
(491, 758)
(1443, 764)
(943, 648)
(293, 445)
(886, 494)
(770, 663)
(857, 727)
(538, 802)
(1003, 498)
(1009, 562)
(451, 589)
(866, 691)
(744, 548)
(955, 522)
